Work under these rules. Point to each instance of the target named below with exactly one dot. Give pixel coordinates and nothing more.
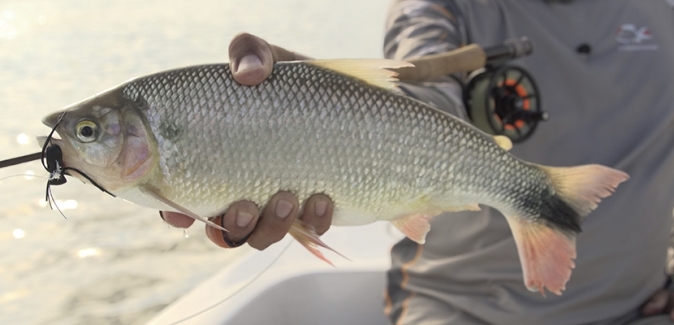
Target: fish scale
(194, 141)
(245, 110)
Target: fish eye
(86, 131)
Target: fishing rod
(464, 59)
(20, 160)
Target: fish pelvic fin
(415, 227)
(371, 71)
(546, 254)
(152, 192)
(305, 234)
(583, 187)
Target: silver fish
(192, 140)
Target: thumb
(250, 58)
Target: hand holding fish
(251, 58)
(246, 224)
(251, 61)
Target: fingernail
(248, 62)
(243, 219)
(283, 208)
(320, 208)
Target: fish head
(105, 138)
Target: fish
(192, 140)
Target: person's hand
(246, 224)
(251, 58)
(662, 302)
(251, 61)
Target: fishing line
(237, 290)
(25, 175)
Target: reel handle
(510, 49)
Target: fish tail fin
(305, 235)
(546, 254)
(547, 244)
(583, 187)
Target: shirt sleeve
(417, 28)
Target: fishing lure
(51, 157)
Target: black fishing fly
(52, 161)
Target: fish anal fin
(546, 255)
(416, 225)
(305, 235)
(154, 193)
(371, 71)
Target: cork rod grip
(427, 68)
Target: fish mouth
(43, 138)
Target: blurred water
(111, 262)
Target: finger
(276, 220)
(250, 58)
(657, 303)
(317, 212)
(240, 220)
(175, 219)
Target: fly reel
(504, 101)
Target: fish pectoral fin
(372, 71)
(546, 254)
(415, 227)
(305, 234)
(151, 192)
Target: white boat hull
(297, 289)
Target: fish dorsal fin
(372, 71)
(503, 142)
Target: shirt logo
(633, 38)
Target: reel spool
(504, 101)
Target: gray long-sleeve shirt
(613, 106)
